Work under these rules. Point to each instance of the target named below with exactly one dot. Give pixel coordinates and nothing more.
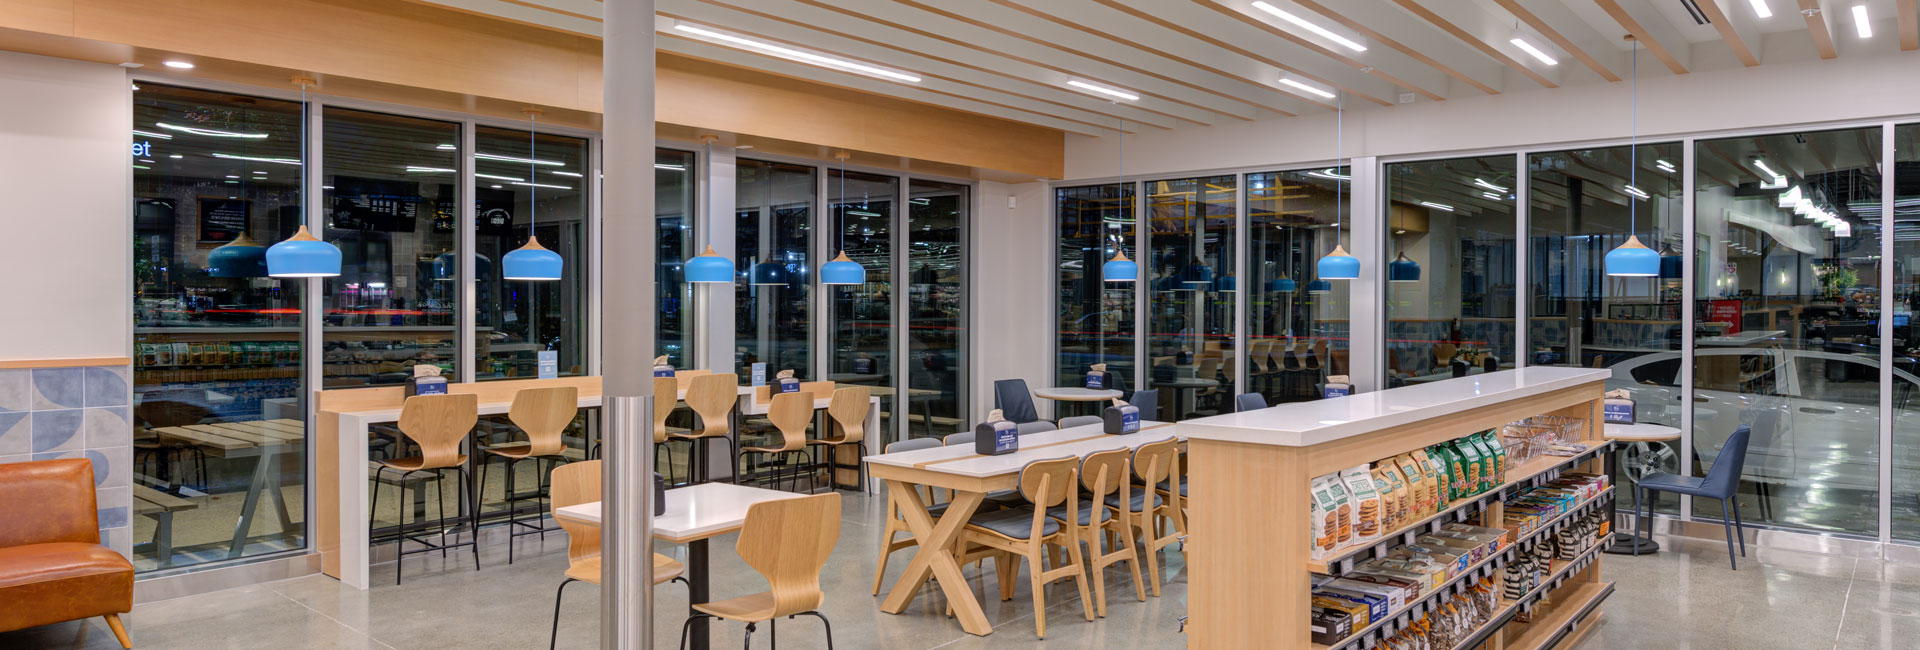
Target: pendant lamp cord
(841, 233)
(1120, 238)
(1633, 148)
(304, 106)
(1339, 152)
(533, 181)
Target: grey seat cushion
(1016, 523)
(1138, 502)
(1087, 509)
(1005, 498)
(1163, 486)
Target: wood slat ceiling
(1217, 62)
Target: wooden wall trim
(6, 364)
(429, 56)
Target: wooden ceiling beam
(1316, 47)
(1447, 26)
(1116, 5)
(1909, 15)
(1559, 39)
(1722, 23)
(1818, 28)
(1642, 34)
(1403, 48)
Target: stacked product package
(1384, 586)
(1358, 505)
(1540, 557)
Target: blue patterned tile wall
(48, 413)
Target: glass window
(521, 186)
(1450, 226)
(673, 208)
(1788, 230)
(1905, 298)
(1297, 329)
(862, 325)
(937, 215)
(1190, 271)
(772, 324)
(1096, 317)
(391, 194)
(216, 342)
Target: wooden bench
(160, 506)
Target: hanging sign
(222, 219)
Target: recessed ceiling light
(561, 173)
(179, 65)
(416, 169)
(232, 176)
(1491, 195)
(130, 64)
(802, 56)
(557, 187)
(1664, 166)
(517, 159)
(1536, 52)
(498, 177)
(1491, 186)
(667, 167)
(1437, 206)
(495, 186)
(1307, 88)
(1103, 90)
(1316, 29)
(277, 161)
(175, 156)
(146, 160)
(259, 173)
(1760, 9)
(1861, 24)
(1635, 191)
(445, 147)
(216, 133)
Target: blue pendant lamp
(1633, 259)
(842, 270)
(709, 267)
(1319, 286)
(531, 261)
(1402, 269)
(769, 273)
(1338, 265)
(1121, 269)
(1281, 283)
(241, 258)
(303, 255)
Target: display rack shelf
(1568, 608)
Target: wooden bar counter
(1248, 555)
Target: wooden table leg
(933, 557)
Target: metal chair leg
(400, 543)
(440, 485)
(688, 625)
(749, 642)
(513, 504)
(823, 622)
(1725, 526)
(554, 640)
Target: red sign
(1725, 311)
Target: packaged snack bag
(1389, 499)
(1492, 441)
(1418, 483)
(1342, 509)
(1471, 465)
(1324, 510)
(1367, 509)
(1489, 465)
(1403, 512)
(1436, 472)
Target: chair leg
(1724, 525)
(824, 623)
(513, 504)
(1039, 594)
(1092, 537)
(440, 486)
(688, 626)
(554, 640)
(120, 631)
(473, 514)
(1080, 578)
(749, 642)
(400, 543)
(373, 507)
(1739, 528)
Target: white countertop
(695, 511)
(1640, 432)
(1075, 441)
(1304, 424)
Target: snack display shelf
(1570, 609)
(1370, 635)
(1534, 472)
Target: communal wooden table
(970, 477)
(262, 440)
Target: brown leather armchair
(52, 566)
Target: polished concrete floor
(1685, 597)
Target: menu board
(223, 219)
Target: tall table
(971, 476)
(694, 514)
(1633, 543)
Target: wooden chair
(786, 542)
(683, 379)
(439, 424)
(543, 414)
(1209, 369)
(571, 485)
(1443, 356)
(1153, 463)
(711, 397)
(666, 398)
(790, 414)
(896, 523)
(818, 388)
(1023, 531)
(1104, 475)
(1258, 353)
(847, 415)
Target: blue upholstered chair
(1249, 402)
(1081, 421)
(1149, 403)
(1721, 482)
(1014, 401)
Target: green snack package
(1473, 465)
(1487, 468)
(1492, 442)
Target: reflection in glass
(216, 342)
(772, 323)
(1904, 298)
(1578, 210)
(1787, 305)
(1455, 219)
(862, 314)
(1295, 337)
(1190, 271)
(937, 215)
(1096, 317)
(391, 193)
(672, 207)
(517, 320)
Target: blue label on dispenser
(759, 374)
(789, 385)
(548, 364)
(1097, 380)
(1338, 390)
(663, 371)
(1006, 439)
(1617, 412)
(1129, 420)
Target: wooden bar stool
(1104, 475)
(847, 415)
(543, 414)
(1024, 531)
(573, 484)
(784, 541)
(712, 398)
(790, 413)
(439, 424)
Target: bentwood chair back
(1249, 402)
(544, 413)
(666, 396)
(1024, 531)
(1443, 355)
(573, 484)
(1149, 403)
(1257, 357)
(849, 413)
(1027, 428)
(438, 424)
(790, 415)
(956, 439)
(1080, 421)
(1153, 464)
(1104, 475)
(711, 397)
(683, 379)
(784, 542)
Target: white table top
(1075, 393)
(486, 408)
(1075, 441)
(1304, 424)
(1185, 382)
(1641, 432)
(695, 511)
